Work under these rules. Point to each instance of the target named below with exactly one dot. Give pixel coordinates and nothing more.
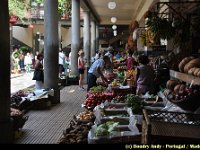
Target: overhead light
(115, 32)
(114, 19)
(112, 5)
(114, 27)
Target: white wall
(26, 34)
(38, 28)
(23, 34)
(66, 36)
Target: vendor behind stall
(145, 76)
(96, 71)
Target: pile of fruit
(182, 95)
(76, 134)
(95, 99)
(86, 116)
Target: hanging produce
(161, 27)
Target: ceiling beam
(87, 7)
(41, 22)
(145, 7)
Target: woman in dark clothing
(145, 76)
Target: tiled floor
(46, 126)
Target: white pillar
(51, 48)
(93, 38)
(75, 36)
(97, 36)
(86, 36)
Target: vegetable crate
(120, 135)
(159, 125)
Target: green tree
(64, 6)
(18, 8)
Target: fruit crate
(169, 125)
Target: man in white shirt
(96, 71)
(61, 62)
(28, 62)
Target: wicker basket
(191, 104)
(19, 121)
(169, 124)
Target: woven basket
(192, 103)
(170, 124)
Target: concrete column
(37, 43)
(75, 36)
(86, 36)
(93, 38)
(51, 48)
(97, 36)
(6, 135)
(59, 35)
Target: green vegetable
(135, 102)
(106, 128)
(97, 89)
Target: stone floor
(46, 126)
(21, 81)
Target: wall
(66, 36)
(38, 28)
(23, 34)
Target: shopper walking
(81, 68)
(28, 62)
(21, 61)
(61, 62)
